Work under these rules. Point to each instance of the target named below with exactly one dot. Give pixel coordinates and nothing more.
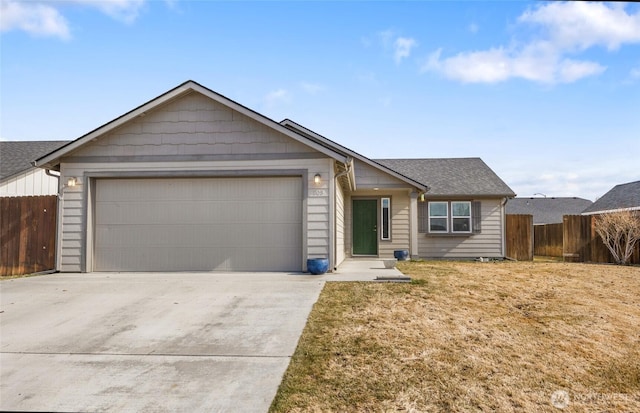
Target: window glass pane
(438, 209)
(461, 209)
(461, 224)
(438, 224)
(386, 217)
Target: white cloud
(585, 24)
(126, 11)
(312, 88)
(473, 28)
(44, 17)
(399, 46)
(33, 18)
(635, 73)
(498, 65)
(276, 97)
(568, 28)
(402, 48)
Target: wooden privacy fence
(519, 237)
(27, 234)
(547, 240)
(581, 242)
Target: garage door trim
(89, 189)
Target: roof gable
(620, 197)
(16, 156)
(52, 159)
(452, 176)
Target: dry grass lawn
(470, 336)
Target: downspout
(347, 170)
(58, 220)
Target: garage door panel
(234, 224)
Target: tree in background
(620, 232)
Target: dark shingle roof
(547, 210)
(619, 197)
(451, 176)
(16, 156)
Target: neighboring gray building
(547, 210)
(193, 181)
(623, 197)
(17, 176)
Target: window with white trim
(438, 217)
(385, 218)
(450, 217)
(461, 216)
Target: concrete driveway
(149, 342)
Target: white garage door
(198, 224)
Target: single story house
(623, 197)
(547, 210)
(18, 177)
(193, 181)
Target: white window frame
(446, 217)
(467, 217)
(382, 219)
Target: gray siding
(368, 177)
(174, 138)
(399, 226)
(486, 244)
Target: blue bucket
(317, 266)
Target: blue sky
(547, 93)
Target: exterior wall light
(317, 178)
(73, 181)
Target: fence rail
(27, 234)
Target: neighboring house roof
(452, 176)
(16, 156)
(620, 197)
(547, 210)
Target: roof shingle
(16, 156)
(619, 197)
(451, 176)
(547, 210)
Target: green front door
(365, 229)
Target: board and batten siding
(30, 183)
(192, 134)
(488, 243)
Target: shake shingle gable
(451, 176)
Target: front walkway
(360, 269)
